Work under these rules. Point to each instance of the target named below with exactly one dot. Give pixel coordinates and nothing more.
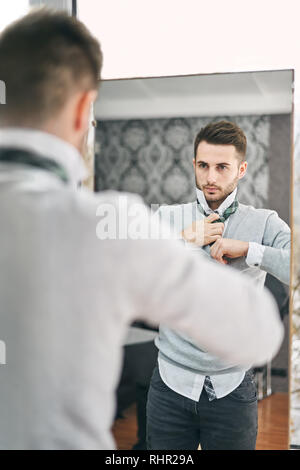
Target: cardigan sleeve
(277, 242)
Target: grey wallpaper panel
(153, 157)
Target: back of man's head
(45, 57)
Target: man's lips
(210, 189)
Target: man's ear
(194, 163)
(83, 107)
(242, 169)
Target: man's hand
(203, 232)
(228, 248)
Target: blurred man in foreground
(70, 283)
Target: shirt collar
(221, 209)
(47, 145)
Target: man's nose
(211, 176)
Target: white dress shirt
(67, 299)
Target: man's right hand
(203, 232)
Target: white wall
(11, 11)
(174, 37)
(232, 94)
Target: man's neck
(215, 204)
(220, 205)
(46, 145)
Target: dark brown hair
(223, 133)
(44, 57)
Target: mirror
(144, 144)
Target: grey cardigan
(261, 226)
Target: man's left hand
(226, 247)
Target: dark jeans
(175, 422)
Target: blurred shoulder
(90, 202)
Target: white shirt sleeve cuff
(255, 254)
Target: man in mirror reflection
(68, 291)
(195, 397)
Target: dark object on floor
(139, 362)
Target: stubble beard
(222, 195)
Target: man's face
(217, 171)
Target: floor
(272, 425)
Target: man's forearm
(276, 249)
(276, 261)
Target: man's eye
(202, 165)
(222, 167)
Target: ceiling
(198, 95)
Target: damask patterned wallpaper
(153, 157)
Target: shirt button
(256, 264)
